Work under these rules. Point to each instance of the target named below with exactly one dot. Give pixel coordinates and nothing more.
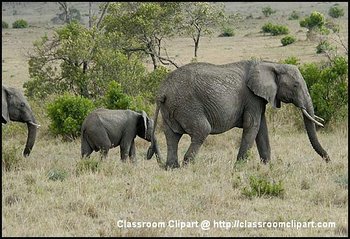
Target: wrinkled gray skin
(104, 129)
(201, 99)
(15, 107)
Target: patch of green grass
(261, 187)
(88, 165)
(57, 174)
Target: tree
(142, 27)
(201, 18)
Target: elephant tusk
(32, 123)
(319, 118)
(310, 118)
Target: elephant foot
(172, 165)
(264, 161)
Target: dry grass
(86, 203)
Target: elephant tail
(154, 145)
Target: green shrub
(275, 29)
(57, 174)
(67, 114)
(151, 83)
(115, 98)
(323, 47)
(267, 11)
(20, 23)
(294, 16)
(261, 187)
(227, 32)
(11, 158)
(291, 60)
(288, 40)
(88, 165)
(335, 11)
(315, 21)
(328, 87)
(5, 24)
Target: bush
(261, 187)
(294, 16)
(115, 98)
(227, 32)
(328, 87)
(151, 83)
(5, 24)
(315, 21)
(275, 29)
(292, 60)
(336, 12)
(67, 114)
(20, 24)
(267, 11)
(323, 47)
(288, 40)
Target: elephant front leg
(172, 141)
(262, 141)
(132, 152)
(250, 131)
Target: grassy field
(51, 193)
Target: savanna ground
(92, 203)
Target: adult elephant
(201, 99)
(15, 107)
(103, 129)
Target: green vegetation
(275, 29)
(288, 40)
(336, 11)
(328, 87)
(262, 187)
(57, 174)
(294, 15)
(227, 32)
(67, 114)
(5, 25)
(20, 23)
(267, 11)
(115, 98)
(323, 47)
(88, 165)
(315, 21)
(199, 18)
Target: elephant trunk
(32, 129)
(309, 121)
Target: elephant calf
(104, 129)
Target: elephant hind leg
(86, 149)
(172, 140)
(198, 136)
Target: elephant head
(283, 82)
(145, 127)
(16, 108)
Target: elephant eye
(22, 104)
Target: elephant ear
(5, 112)
(262, 81)
(142, 125)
